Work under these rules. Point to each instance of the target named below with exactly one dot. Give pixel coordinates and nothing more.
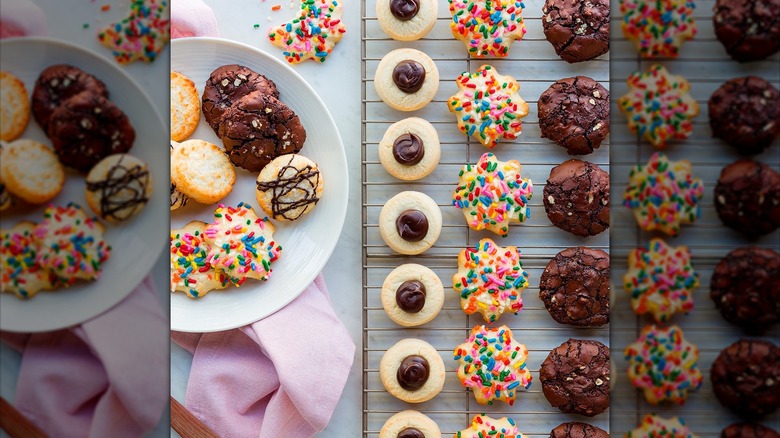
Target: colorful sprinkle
(312, 34)
(658, 27)
(20, 272)
(140, 36)
(487, 27)
(653, 426)
(483, 426)
(191, 269)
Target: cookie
(227, 84)
(492, 194)
(490, 280)
(574, 113)
(87, 128)
(30, 171)
(487, 106)
(575, 377)
(258, 128)
(745, 113)
(178, 199)
(118, 187)
(410, 424)
(748, 29)
(406, 79)
(487, 28)
(747, 198)
(578, 32)
(575, 429)
(663, 194)
(412, 295)
(410, 222)
(653, 426)
(575, 287)
(409, 149)
(140, 36)
(661, 280)
(202, 171)
(658, 106)
(483, 426)
(191, 268)
(748, 430)
(185, 107)
(14, 107)
(745, 287)
(312, 34)
(658, 28)
(58, 83)
(242, 244)
(6, 199)
(744, 377)
(406, 20)
(493, 365)
(289, 187)
(20, 272)
(576, 198)
(412, 371)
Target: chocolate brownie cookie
(745, 287)
(578, 30)
(748, 430)
(576, 198)
(745, 376)
(745, 113)
(226, 85)
(258, 128)
(87, 128)
(58, 83)
(748, 29)
(747, 197)
(575, 287)
(575, 429)
(574, 113)
(575, 377)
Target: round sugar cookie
(118, 187)
(410, 222)
(410, 149)
(202, 171)
(14, 107)
(410, 424)
(31, 171)
(412, 295)
(412, 371)
(406, 20)
(185, 107)
(406, 79)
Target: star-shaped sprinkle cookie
(483, 426)
(487, 27)
(312, 34)
(191, 270)
(142, 35)
(658, 28)
(653, 426)
(20, 272)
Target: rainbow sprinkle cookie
(140, 36)
(663, 194)
(658, 27)
(661, 280)
(312, 34)
(242, 244)
(658, 106)
(191, 271)
(483, 426)
(653, 426)
(492, 194)
(20, 272)
(490, 280)
(488, 106)
(487, 27)
(663, 364)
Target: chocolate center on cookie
(404, 10)
(413, 372)
(408, 149)
(412, 225)
(410, 296)
(409, 76)
(410, 432)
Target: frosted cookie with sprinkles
(191, 270)
(653, 426)
(492, 194)
(140, 36)
(312, 34)
(661, 280)
(658, 28)
(483, 426)
(487, 106)
(493, 365)
(658, 106)
(487, 27)
(20, 272)
(663, 194)
(663, 365)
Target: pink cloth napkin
(21, 18)
(191, 18)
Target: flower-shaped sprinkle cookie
(492, 194)
(312, 34)
(487, 106)
(490, 280)
(661, 280)
(191, 270)
(663, 364)
(20, 272)
(658, 106)
(493, 364)
(653, 426)
(483, 426)
(142, 35)
(487, 27)
(658, 27)
(663, 194)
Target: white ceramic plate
(308, 242)
(137, 242)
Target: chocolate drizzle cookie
(575, 377)
(226, 85)
(575, 287)
(289, 187)
(58, 83)
(747, 197)
(576, 198)
(745, 113)
(118, 187)
(578, 30)
(745, 376)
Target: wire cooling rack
(705, 64)
(533, 62)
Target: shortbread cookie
(410, 424)
(202, 171)
(412, 295)
(483, 426)
(663, 194)
(748, 29)
(20, 272)
(6, 199)
(576, 198)
(658, 28)
(178, 199)
(185, 107)
(140, 36)
(493, 365)
(658, 106)
(312, 34)
(406, 20)
(663, 365)
(575, 287)
(661, 280)
(487, 106)
(744, 377)
(653, 426)
(242, 244)
(410, 222)
(118, 187)
(578, 32)
(490, 280)
(575, 377)
(58, 83)
(14, 107)
(412, 371)
(226, 85)
(487, 28)
(31, 171)
(492, 194)
(289, 187)
(410, 149)
(191, 269)
(406, 79)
